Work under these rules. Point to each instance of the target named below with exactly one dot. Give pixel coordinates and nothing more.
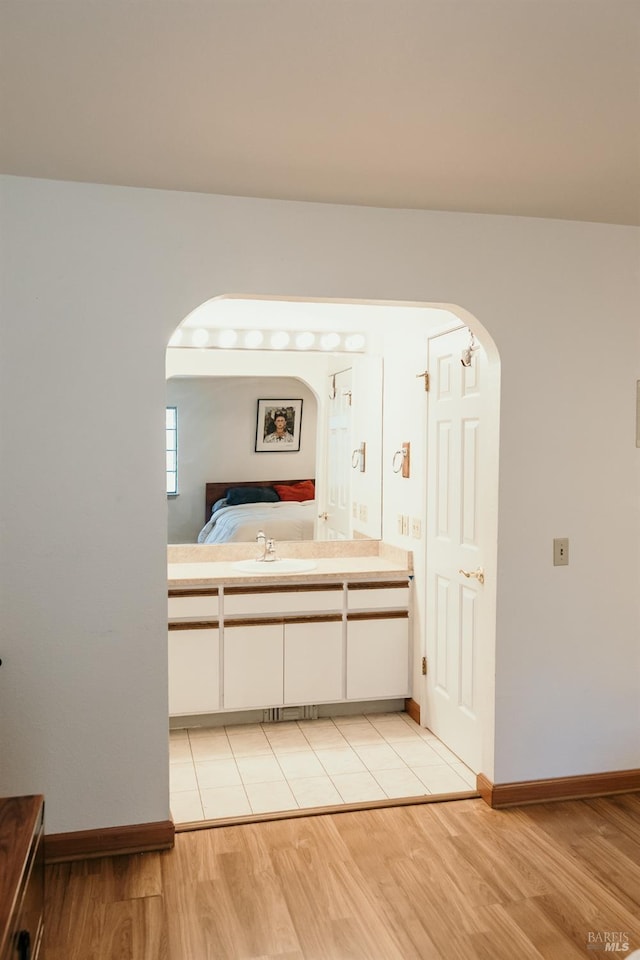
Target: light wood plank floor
(445, 880)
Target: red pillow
(296, 491)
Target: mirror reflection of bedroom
(275, 424)
(326, 381)
(228, 491)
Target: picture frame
(278, 426)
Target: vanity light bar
(255, 339)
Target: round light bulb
(200, 337)
(329, 341)
(253, 339)
(305, 340)
(227, 338)
(279, 340)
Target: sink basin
(275, 566)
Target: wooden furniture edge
(193, 592)
(412, 707)
(238, 621)
(262, 588)
(400, 584)
(193, 624)
(109, 841)
(580, 787)
(20, 826)
(390, 614)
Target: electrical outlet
(416, 528)
(561, 552)
(363, 512)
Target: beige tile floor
(260, 768)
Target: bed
(236, 510)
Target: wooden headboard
(216, 491)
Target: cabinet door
(253, 665)
(194, 671)
(377, 658)
(313, 662)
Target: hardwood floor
(454, 880)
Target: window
(172, 451)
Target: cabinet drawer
(281, 601)
(193, 606)
(378, 596)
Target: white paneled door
(458, 607)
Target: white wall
(217, 429)
(88, 269)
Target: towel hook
(398, 458)
(401, 460)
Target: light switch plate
(561, 552)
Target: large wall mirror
(227, 398)
(234, 362)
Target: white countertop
(328, 568)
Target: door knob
(475, 574)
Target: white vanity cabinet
(248, 647)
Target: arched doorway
(402, 334)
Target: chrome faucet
(261, 540)
(270, 551)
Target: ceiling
(520, 107)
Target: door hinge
(426, 380)
(424, 666)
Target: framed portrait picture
(278, 426)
